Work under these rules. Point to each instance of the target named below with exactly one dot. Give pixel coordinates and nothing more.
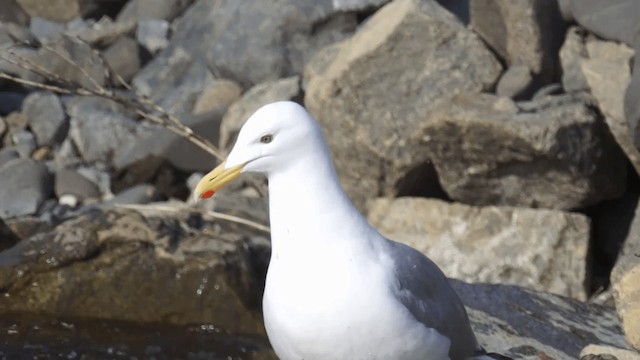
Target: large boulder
(372, 91)
(554, 153)
(487, 245)
(172, 268)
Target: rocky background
(499, 137)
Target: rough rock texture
(625, 279)
(55, 10)
(613, 20)
(620, 354)
(153, 9)
(220, 94)
(121, 265)
(252, 100)
(555, 153)
(360, 88)
(521, 32)
(47, 119)
(485, 244)
(24, 186)
(122, 59)
(601, 67)
(526, 324)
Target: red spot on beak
(207, 194)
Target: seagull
(336, 288)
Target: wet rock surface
(518, 119)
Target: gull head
(273, 138)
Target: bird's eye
(265, 139)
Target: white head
(273, 138)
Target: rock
(44, 29)
(24, 186)
(153, 9)
(161, 269)
(122, 59)
(526, 324)
(153, 34)
(40, 154)
(555, 153)
(631, 103)
(103, 33)
(221, 93)
(252, 100)
(99, 128)
(13, 55)
(16, 122)
(515, 82)
(47, 119)
(56, 10)
(86, 69)
(69, 182)
(521, 32)
(24, 142)
(10, 102)
(13, 13)
(612, 20)
(625, 280)
(602, 68)
(7, 154)
(485, 245)
(139, 194)
(619, 354)
(159, 142)
(370, 91)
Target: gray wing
(426, 293)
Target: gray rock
(24, 186)
(57, 10)
(252, 100)
(485, 245)
(104, 32)
(525, 324)
(10, 102)
(153, 34)
(196, 271)
(47, 118)
(16, 122)
(373, 91)
(13, 55)
(69, 182)
(25, 143)
(153, 9)
(556, 153)
(86, 69)
(521, 32)
(7, 154)
(613, 20)
(631, 103)
(44, 29)
(221, 93)
(603, 350)
(157, 142)
(139, 194)
(625, 280)
(122, 59)
(515, 82)
(13, 13)
(99, 128)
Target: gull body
(336, 288)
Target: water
(46, 337)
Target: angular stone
(572, 53)
(515, 82)
(69, 182)
(54, 10)
(47, 118)
(123, 60)
(485, 245)
(139, 194)
(25, 143)
(625, 280)
(44, 29)
(104, 32)
(153, 34)
(221, 93)
(372, 91)
(555, 153)
(252, 100)
(153, 9)
(521, 32)
(24, 186)
(99, 128)
(531, 325)
(612, 20)
(194, 271)
(617, 353)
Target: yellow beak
(215, 180)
